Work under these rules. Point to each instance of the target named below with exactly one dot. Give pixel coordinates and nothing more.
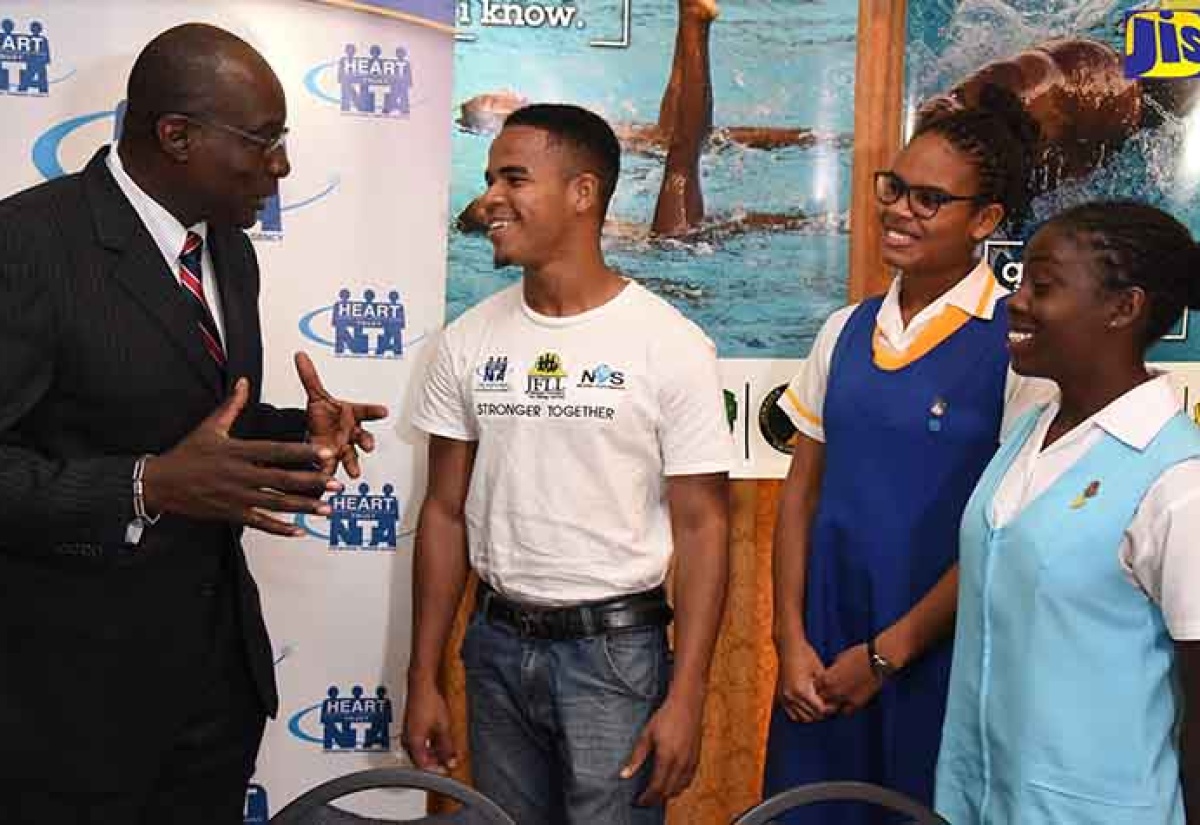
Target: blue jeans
(553, 722)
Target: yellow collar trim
(950, 321)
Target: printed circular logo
(774, 424)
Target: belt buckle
(527, 623)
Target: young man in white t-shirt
(577, 439)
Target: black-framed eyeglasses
(923, 201)
(267, 144)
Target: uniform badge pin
(936, 411)
(1091, 491)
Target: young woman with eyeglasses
(898, 408)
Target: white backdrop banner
(353, 258)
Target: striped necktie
(193, 286)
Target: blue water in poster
(758, 293)
(1157, 163)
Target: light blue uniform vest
(1062, 706)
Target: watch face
(881, 666)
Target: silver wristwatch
(880, 666)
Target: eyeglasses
(267, 144)
(923, 201)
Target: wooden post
(878, 99)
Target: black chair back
(781, 803)
(314, 807)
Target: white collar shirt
(169, 234)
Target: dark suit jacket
(103, 646)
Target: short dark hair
(1000, 137)
(585, 133)
(1135, 244)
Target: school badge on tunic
(1091, 491)
(936, 411)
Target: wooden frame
(878, 106)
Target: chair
(314, 807)
(766, 811)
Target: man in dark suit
(135, 668)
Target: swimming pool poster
(1104, 134)
(767, 260)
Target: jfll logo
(49, 147)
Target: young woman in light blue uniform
(1078, 628)
(899, 408)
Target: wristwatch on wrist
(880, 666)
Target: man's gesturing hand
(209, 475)
(334, 423)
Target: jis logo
(1162, 43)
(366, 324)
(69, 135)
(361, 519)
(365, 82)
(25, 60)
(340, 723)
(256, 812)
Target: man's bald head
(191, 69)
(204, 122)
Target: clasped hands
(809, 692)
(212, 475)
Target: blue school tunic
(903, 450)
(1062, 707)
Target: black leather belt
(578, 621)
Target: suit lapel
(235, 302)
(140, 269)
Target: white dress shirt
(169, 234)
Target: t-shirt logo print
(603, 376)
(491, 373)
(547, 378)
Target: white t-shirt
(1158, 551)
(976, 295)
(579, 420)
